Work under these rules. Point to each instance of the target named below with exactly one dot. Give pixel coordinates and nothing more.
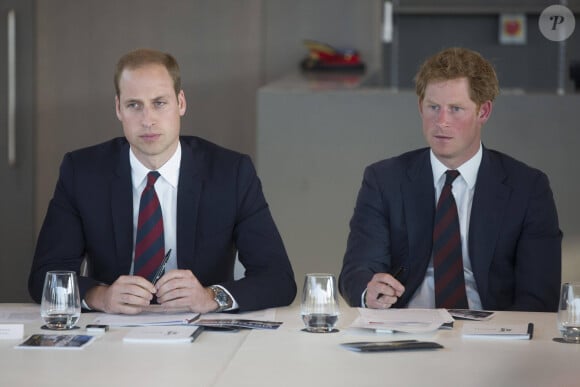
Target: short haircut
(144, 56)
(457, 62)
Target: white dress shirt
(166, 189)
(463, 189)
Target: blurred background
(309, 133)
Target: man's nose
(148, 117)
(443, 117)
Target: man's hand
(383, 290)
(128, 294)
(181, 289)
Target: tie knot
(152, 178)
(451, 175)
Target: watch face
(221, 297)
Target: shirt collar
(168, 171)
(468, 170)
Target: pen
(398, 272)
(161, 268)
(395, 275)
(193, 319)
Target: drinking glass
(61, 305)
(319, 307)
(569, 312)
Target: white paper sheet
(155, 316)
(402, 320)
(146, 319)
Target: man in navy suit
(510, 237)
(210, 197)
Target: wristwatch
(222, 298)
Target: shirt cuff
(85, 305)
(362, 300)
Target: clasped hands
(129, 294)
(383, 290)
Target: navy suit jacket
(220, 210)
(514, 238)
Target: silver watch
(222, 298)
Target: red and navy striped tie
(150, 243)
(447, 256)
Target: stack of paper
(159, 334)
(402, 320)
(497, 331)
(146, 319)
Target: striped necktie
(150, 243)
(447, 256)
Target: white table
(290, 357)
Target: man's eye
(160, 103)
(133, 106)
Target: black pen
(161, 268)
(395, 275)
(398, 272)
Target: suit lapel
(193, 163)
(489, 202)
(122, 211)
(419, 206)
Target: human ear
(485, 111)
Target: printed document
(402, 320)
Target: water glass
(319, 307)
(61, 305)
(569, 312)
